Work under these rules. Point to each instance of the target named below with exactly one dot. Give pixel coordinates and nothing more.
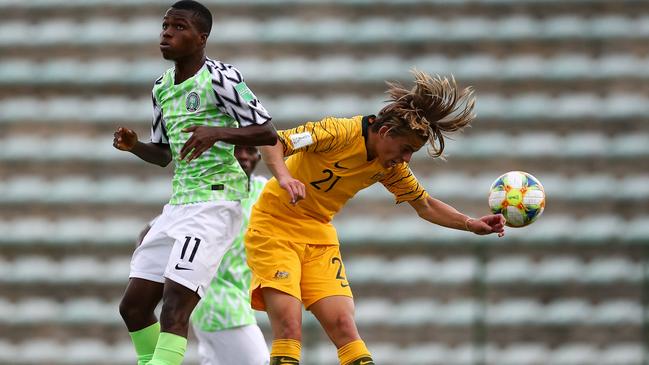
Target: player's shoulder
(347, 126)
(166, 75)
(222, 70)
(163, 80)
(399, 170)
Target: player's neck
(187, 67)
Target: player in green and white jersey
(201, 109)
(223, 321)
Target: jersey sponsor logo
(300, 140)
(281, 275)
(244, 92)
(193, 102)
(178, 267)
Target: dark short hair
(202, 15)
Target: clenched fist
(493, 223)
(124, 139)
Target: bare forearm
(273, 156)
(158, 154)
(257, 135)
(438, 212)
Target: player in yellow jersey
(291, 245)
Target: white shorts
(241, 346)
(186, 243)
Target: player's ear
(383, 131)
(204, 38)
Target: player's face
(392, 150)
(248, 156)
(179, 36)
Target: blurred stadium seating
(562, 94)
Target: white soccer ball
(518, 196)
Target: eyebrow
(176, 19)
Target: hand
(124, 139)
(493, 223)
(294, 187)
(202, 139)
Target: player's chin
(168, 54)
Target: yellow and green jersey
(330, 158)
(215, 96)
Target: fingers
(498, 225)
(187, 147)
(195, 144)
(124, 139)
(291, 193)
(494, 223)
(301, 191)
(198, 150)
(117, 141)
(296, 190)
(195, 147)
(493, 219)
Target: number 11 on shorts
(187, 240)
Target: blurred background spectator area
(562, 93)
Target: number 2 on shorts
(340, 269)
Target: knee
(346, 323)
(289, 327)
(343, 325)
(131, 312)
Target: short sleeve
(403, 184)
(234, 98)
(329, 134)
(158, 127)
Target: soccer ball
(518, 196)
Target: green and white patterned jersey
(226, 303)
(215, 96)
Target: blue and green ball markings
(518, 196)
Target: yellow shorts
(307, 272)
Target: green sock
(170, 350)
(145, 341)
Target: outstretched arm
(204, 137)
(274, 158)
(438, 212)
(156, 153)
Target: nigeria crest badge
(193, 102)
